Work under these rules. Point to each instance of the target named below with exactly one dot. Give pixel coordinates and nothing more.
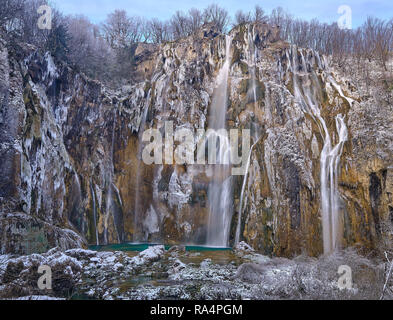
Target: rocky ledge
(177, 274)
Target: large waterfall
(203, 171)
(330, 160)
(307, 92)
(220, 187)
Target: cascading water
(77, 202)
(330, 156)
(253, 66)
(239, 221)
(137, 213)
(109, 198)
(94, 212)
(220, 187)
(330, 160)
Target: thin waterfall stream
(253, 60)
(93, 196)
(239, 221)
(137, 209)
(109, 198)
(330, 155)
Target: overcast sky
(324, 11)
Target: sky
(324, 11)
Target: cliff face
(70, 152)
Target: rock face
(70, 149)
(156, 274)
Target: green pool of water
(193, 257)
(139, 247)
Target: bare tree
(383, 42)
(120, 30)
(97, 50)
(180, 25)
(183, 25)
(278, 16)
(242, 17)
(377, 38)
(218, 16)
(11, 11)
(259, 15)
(145, 30)
(87, 48)
(160, 31)
(196, 19)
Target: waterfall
(109, 197)
(239, 220)
(220, 187)
(254, 77)
(253, 62)
(253, 65)
(94, 211)
(330, 155)
(137, 214)
(330, 160)
(78, 186)
(77, 200)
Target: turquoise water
(193, 256)
(138, 247)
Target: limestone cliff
(70, 149)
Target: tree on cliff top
(218, 16)
(57, 43)
(120, 30)
(11, 11)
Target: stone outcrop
(70, 149)
(156, 274)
